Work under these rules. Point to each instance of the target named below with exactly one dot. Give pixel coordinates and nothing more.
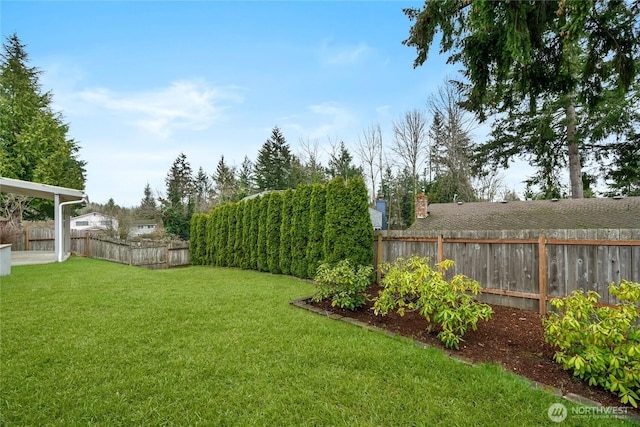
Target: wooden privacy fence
(525, 268)
(148, 254)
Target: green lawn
(88, 342)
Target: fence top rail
(589, 242)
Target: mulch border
(571, 397)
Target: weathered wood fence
(525, 268)
(148, 254)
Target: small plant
(600, 344)
(343, 284)
(412, 284)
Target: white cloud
(184, 105)
(331, 54)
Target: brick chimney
(421, 206)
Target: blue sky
(139, 82)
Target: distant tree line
(287, 232)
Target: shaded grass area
(88, 342)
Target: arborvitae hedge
(360, 229)
(231, 233)
(196, 241)
(253, 235)
(261, 256)
(285, 232)
(336, 238)
(211, 238)
(246, 234)
(315, 245)
(300, 230)
(290, 232)
(223, 236)
(274, 221)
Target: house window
(105, 223)
(82, 223)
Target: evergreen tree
(285, 232)
(348, 232)
(231, 236)
(225, 182)
(273, 165)
(179, 205)
(203, 189)
(238, 246)
(315, 246)
(247, 229)
(274, 222)
(34, 145)
(533, 62)
(261, 255)
(301, 212)
(341, 164)
(359, 228)
(223, 241)
(211, 238)
(254, 232)
(148, 207)
(246, 179)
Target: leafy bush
(411, 284)
(315, 246)
(343, 284)
(600, 344)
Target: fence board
(507, 263)
(154, 254)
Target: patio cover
(62, 197)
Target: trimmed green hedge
(290, 232)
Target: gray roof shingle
(596, 213)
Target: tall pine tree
(34, 145)
(273, 170)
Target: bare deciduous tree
(369, 150)
(410, 140)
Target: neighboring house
(376, 218)
(142, 227)
(595, 213)
(93, 221)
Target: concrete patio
(32, 257)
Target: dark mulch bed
(513, 338)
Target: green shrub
(211, 237)
(360, 228)
(315, 245)
(253, 233)
(274, 221)
(411, 284)
(238, 252)
(231, 234)
(344, 285)
(600, 344)
(247, 223)
(261, 254)
(348, 232)
(285, 232)
(300, 230)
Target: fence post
(167, 255)
(26, 238)
(87, 251)
(379, 259)
(542, 273)
(440, 249)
